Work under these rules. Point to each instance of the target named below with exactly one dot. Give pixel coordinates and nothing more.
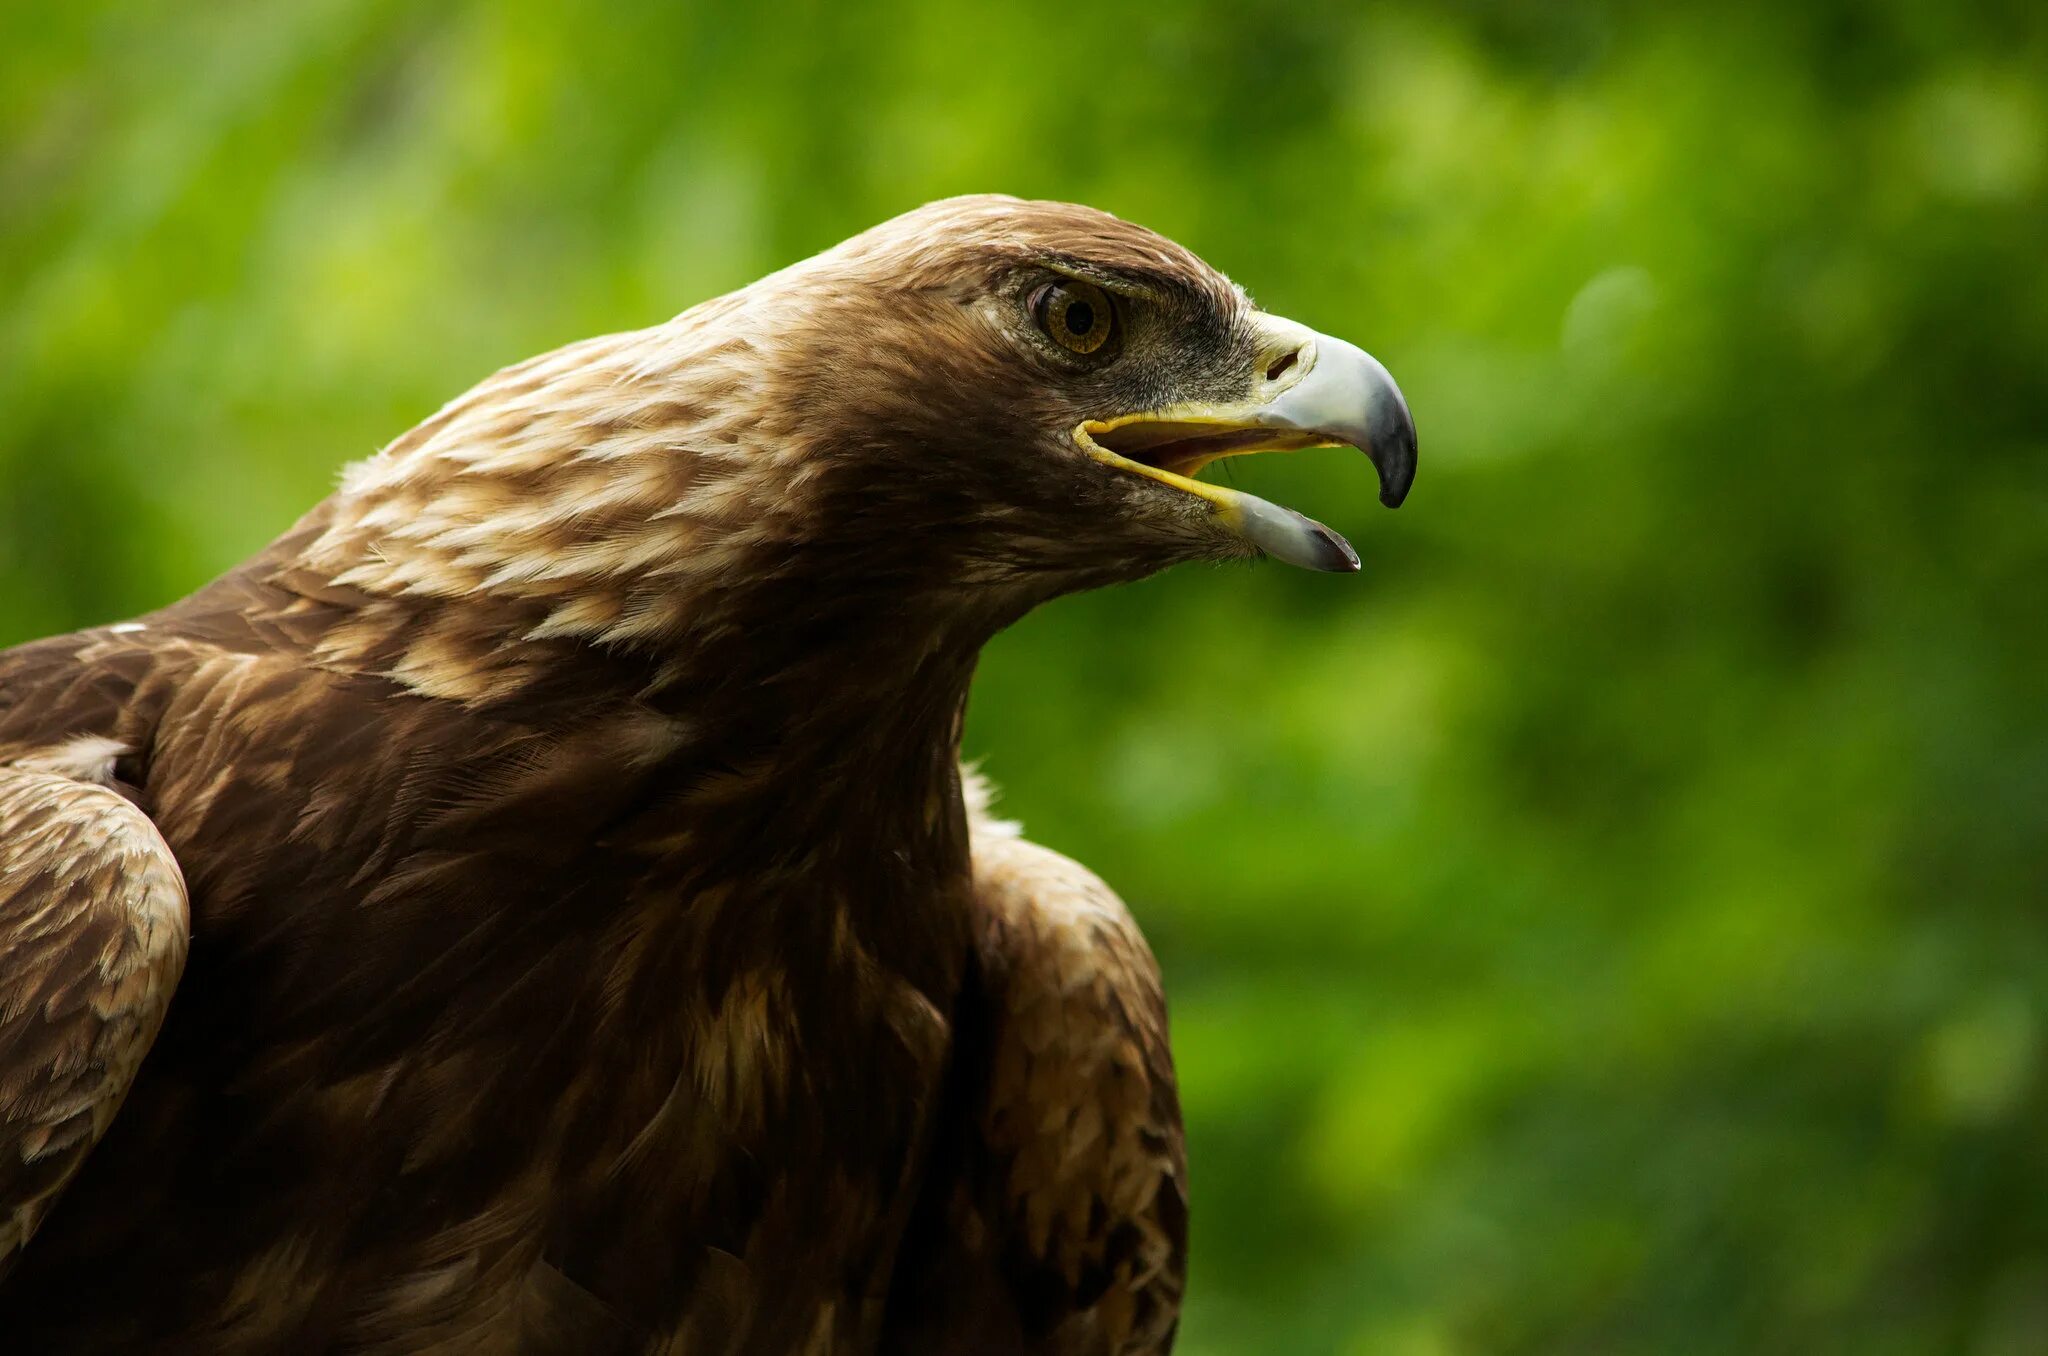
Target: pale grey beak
(1346, 397)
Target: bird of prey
(536, 905)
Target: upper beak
(1347, 398)
(1310, 390)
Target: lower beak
(1312, 390)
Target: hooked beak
(1311, 390)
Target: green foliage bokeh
(1617, 922)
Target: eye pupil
(1080, 318)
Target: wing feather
(1056, 1223)
(93, 928)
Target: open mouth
(1184, 447)
(1322, 392)
(1172, 450)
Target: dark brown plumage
(591, 947)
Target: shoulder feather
(93, 929)
(1057, 1223)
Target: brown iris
(1077, 315)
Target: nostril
(1283, 364)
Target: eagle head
(1031, 388)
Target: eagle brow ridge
(1159, 286)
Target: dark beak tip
(1338, 557)
(1394, 459)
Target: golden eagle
(535, 905)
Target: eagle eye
(1077, 316)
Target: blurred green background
(1618, 921)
